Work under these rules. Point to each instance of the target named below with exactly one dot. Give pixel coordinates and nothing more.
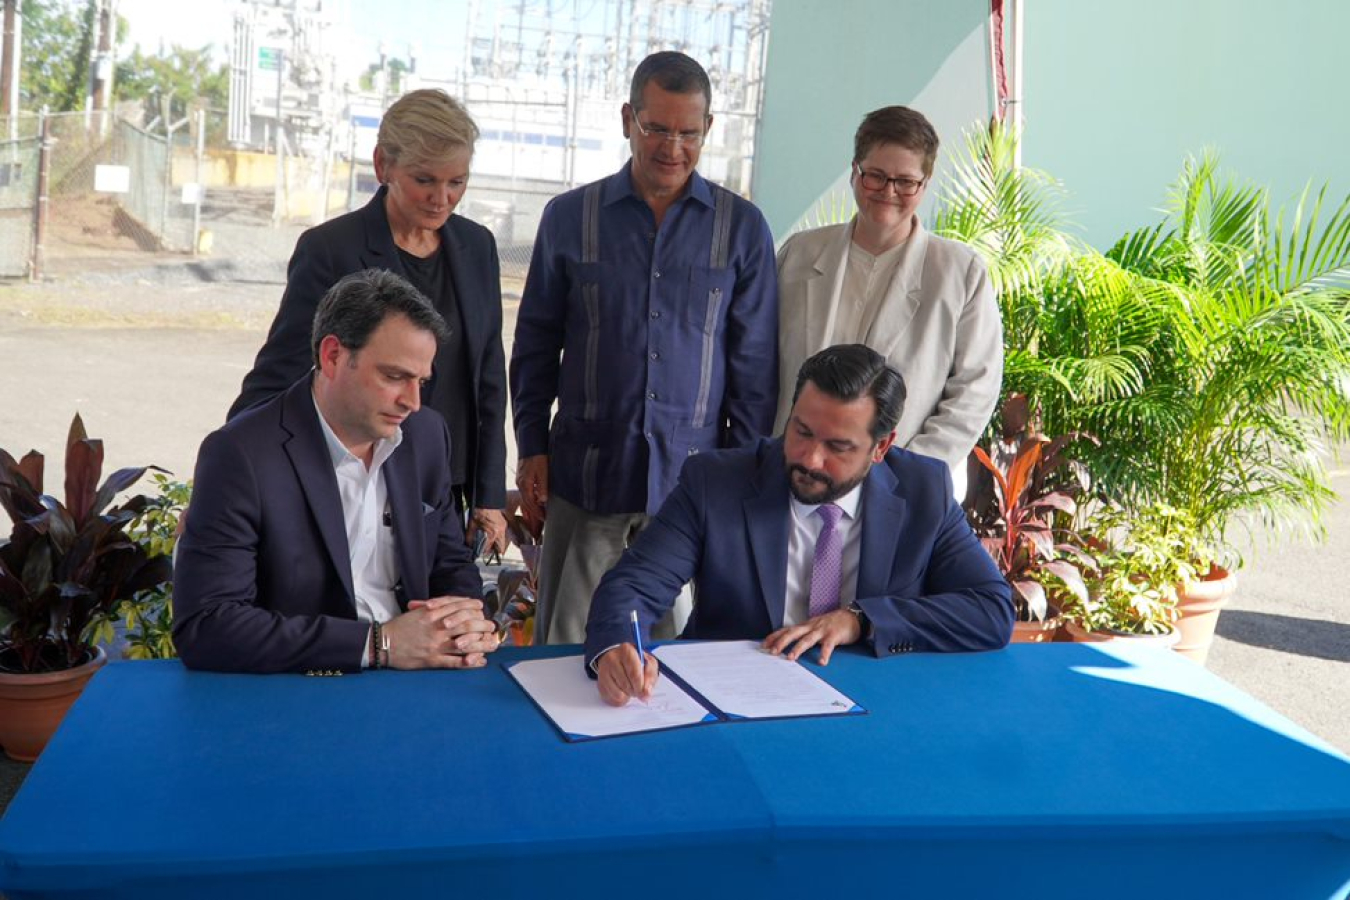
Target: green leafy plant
(1145, 553)
(1013, 511)
(65, 564)
(1209, 353)
(148, 617)
(1246, 385)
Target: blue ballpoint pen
(637, 638)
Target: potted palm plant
(1210, 353)
(63, 565)
(1248, 377)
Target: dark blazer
(924, 581)
(263, 579)
(362, 240)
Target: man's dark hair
(672, 72)
(355, 306)
(850, 372)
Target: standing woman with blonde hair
(422, 158)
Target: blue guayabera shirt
(656, 343)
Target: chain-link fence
(18, 202)
(120, 195)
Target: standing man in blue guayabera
(650, 314)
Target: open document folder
(700, 683)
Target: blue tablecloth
(1051, 771)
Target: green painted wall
(831, 63)
(1117, 94)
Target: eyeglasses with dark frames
(879, 181)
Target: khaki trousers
(579, 547)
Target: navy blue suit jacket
(924, 581)
(362, 240)
(263, 579)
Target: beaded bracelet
(376, 638)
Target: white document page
(740, 679)
(571, 699)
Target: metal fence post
(201, 188)
(40, 210)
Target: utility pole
(9, 59)
(101, 64)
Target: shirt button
(656, 314)
(649, 435)
(655, 355)
(656, 274)
(651, 395)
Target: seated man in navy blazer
(323, 538)
(825, 536)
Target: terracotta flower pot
(1081, 635)
(1038, 632)
(1198, 605)
(32, 706)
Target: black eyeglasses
(878, 181)
(659, 133)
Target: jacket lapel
(459, 258)
(766, 523)
(379, 252)
(823, 291)
(902, 297)
(308, 453)
(405, 505)
(883, 516)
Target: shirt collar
(338, 452)
(848, 503)
(620, 185)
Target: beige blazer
(939, 325)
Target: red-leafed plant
(65, 564)
(1022, 511)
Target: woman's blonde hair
(425, 126)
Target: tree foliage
(188, 78)
(57, 36)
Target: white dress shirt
(370, 533)
(803, 529)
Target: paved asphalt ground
(152, 359)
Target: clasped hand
(441, 633)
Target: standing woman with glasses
(921, 301)
(422, 156)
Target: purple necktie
(827, 570)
